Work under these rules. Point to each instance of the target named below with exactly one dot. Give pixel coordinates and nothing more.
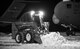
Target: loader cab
(37, 17)
(37, 20)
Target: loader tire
(29, 37)
(19, 38)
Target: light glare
(41, 13)
(32, 13)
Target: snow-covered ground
(50, 41)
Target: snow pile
(53, 39)
(72, 43)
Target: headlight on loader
(41, 13)
(32, 13)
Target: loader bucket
(38, 39)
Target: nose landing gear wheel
(19, 38)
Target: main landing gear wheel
(29, 37)
(19, 38)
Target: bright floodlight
(32, 13)
(41, 13)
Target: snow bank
(53, 39)
(72, 43)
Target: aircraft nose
(55, 19)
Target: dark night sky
(4, 4)
(49, 6)
(49, 3)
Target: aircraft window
(68, 5)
